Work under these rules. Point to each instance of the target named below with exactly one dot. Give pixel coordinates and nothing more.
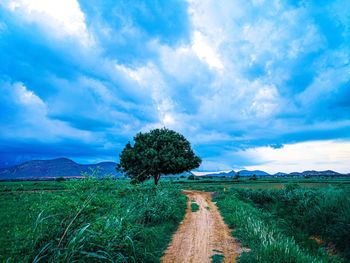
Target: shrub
(261, 232)
(308, 212)
(60, 179)
(105, 220)
(191, 177)
(251, 226)
(194, 206)
(254, 178)
(291, 186)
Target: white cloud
(205, 51)
(314, 155)
(60, 18)
(227, 84)
(28, 98)
(206, 173)
(172, 61)
(329, 80)
(31, 118)
(230, 42)
(265, 101)
(232, 38)
(151, 83)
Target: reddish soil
(202, 234)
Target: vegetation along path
(202, 234)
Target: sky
(259, 84)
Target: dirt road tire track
(202, 234)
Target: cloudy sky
(260, 84)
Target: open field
(289, 225)
(278, 219)
(91, 220)
(218, 184)
(285, 219)
(32, 186)
(201, 183)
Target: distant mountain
(250, 173)
(321, 173)
(247, 173)
(46, 169)
(215, 174)
(184, 174)
(295, 174)
(280, 174)
(231, 173)
(316, 173)
(241, 173)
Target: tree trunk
(156, 179)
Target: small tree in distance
(253, 177)
(155, 153)
(191, 177)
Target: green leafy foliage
(60, 179)
(323, 212)
(194, 206)
(263, 234)
(93, 221)
(292, 186)
(155, 153)
(217, 258)
(254, 178)
(191, 177)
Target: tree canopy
(155, 153)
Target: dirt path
(202, 234)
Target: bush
(60, 179)
(194, 206)
(262, 233)
(306, 212)
(257, 231)
(291, 186)
(254, 178)
(105, 220)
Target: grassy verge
(261, 231)
(94, 221)
(217, 258)
(323, 214)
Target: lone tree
(155, 153)
(253, 177)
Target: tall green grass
(262, 233)
(100, 221)
(323, 212)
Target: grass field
(222, 184)
(280, 220)
(285, 219)
(32, 186)
(87, 220)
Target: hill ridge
(53, 168)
